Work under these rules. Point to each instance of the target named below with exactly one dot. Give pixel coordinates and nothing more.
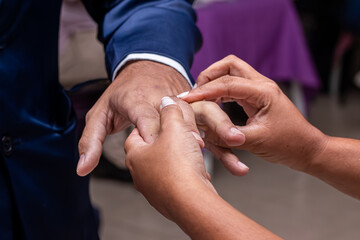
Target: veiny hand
(165, 168)
(275, 130)
(133, 97)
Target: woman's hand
(170, 173)
(171, 167)
(275, 130)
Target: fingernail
(181, 95)
(242, 166)
(202, 133)
(236, 131)
(166, 101)
(195, 85)
(81, 162)
(198, 138)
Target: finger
(147, 120)
(229, 87)
(175, 112)
(134, 141)
(90, 143)
(190, 120)
(215, 120)
(170, 113)
(209, 136)
(230, 65)
(228, 159)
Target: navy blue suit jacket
(41, 197)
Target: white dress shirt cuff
(152, 57)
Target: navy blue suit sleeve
(163, 27)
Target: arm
(174, 181)
(203, 214)
(165, 28)
(339, 165)
(276, 130)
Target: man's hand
(134, 97)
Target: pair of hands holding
(173, 162)
(165, 159)
(273, 131)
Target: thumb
(90, 144)
(170, 115)
(172, 119)
(134, 141)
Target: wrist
(163, 73)
(192, 207)
(315, 148)
(185, 195)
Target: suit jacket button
(7, 145)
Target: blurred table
(265, 33)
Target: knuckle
(202, 75)
(208, 108)
(231, 58)
(202, 111)
(140, 93)
(227, 82)
(81, 145)
(272, 87)
(234, 61)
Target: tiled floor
(291, 204)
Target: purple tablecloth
(265, 33)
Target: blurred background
(311, 48)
